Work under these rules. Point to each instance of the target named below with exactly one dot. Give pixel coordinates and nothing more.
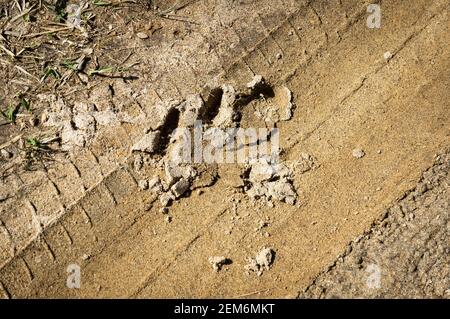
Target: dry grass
(43, 53)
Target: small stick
(13, 140)
(10, 53)
(20, 82)
(32, 35)
(25, 72)
(25, 12)
(18, 6)
(252, 293)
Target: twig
(252, 293)
(13, 140)
(126, 59)
(19, 68)
(18, 6)
(49, 140)
(20, 82)
(32, 35)
(25, 72)
(25, 12)
(175, 7)
(175, 18)
(10, 53)
(166, 14)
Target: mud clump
(148, 143)
(257, 80)
(180, 187)
(358, 153)
(283, 109)
(261, 262)
(225, 117)
(178, 181)
(155, 185)
(274, 104)
(143, 184)
(270, 181)
(305, 163)
(79, 122)
(217, 262)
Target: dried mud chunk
(138, 162)
(5, 154)
(305, 163)
(105, 117)
(271, 181)
(84, 121)
(143, 184)
(180, 187)
(174, 172)
(283, 99)
(257, 191)
(226, 111)
(358, 153)
(155, 185)
(72, 137)
(148, 143)
(262, 261)
(166, 198)
(158, 113)
(218, 261)
(265, 258)
(205, 177)
(276, 106)
(255, 82)
(262, 171)
(282, 190)
(101, 95)
(192, 109)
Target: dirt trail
(90, 210)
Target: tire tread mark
(27, 269)
(4, 291)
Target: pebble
(358, 153)
(218, 261)
(142, 35)
(5, 154)
(33, 121)
(143, 184)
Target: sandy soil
(366, 113)
(408, 246)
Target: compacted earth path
(95, 95)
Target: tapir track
(89, 169)
(91, 204)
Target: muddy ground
(93, 93)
